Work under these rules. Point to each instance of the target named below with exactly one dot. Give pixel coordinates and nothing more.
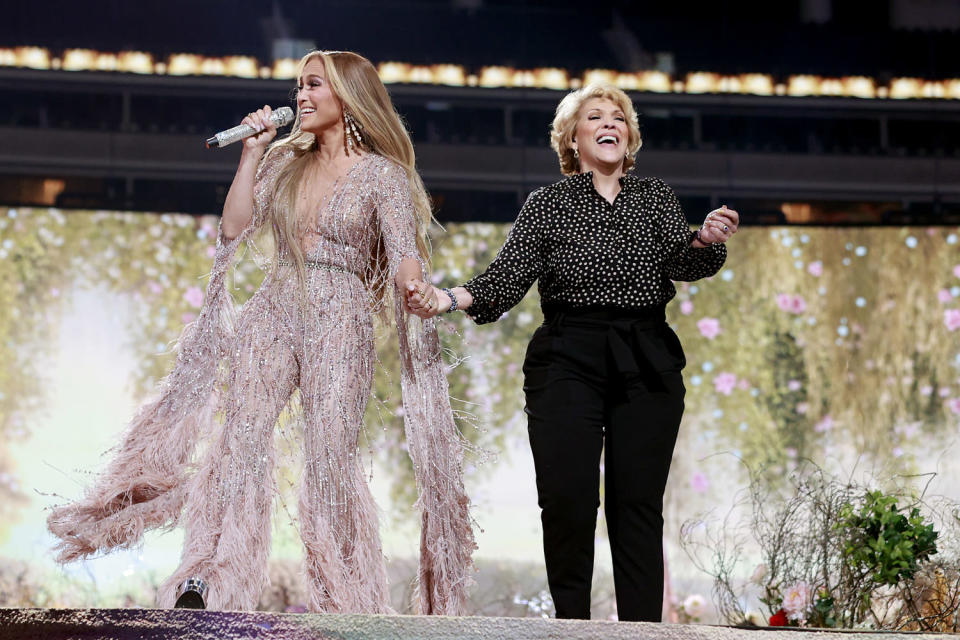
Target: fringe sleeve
(435, 444)
(143, 485)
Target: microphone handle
(280, 117)
(234, 134)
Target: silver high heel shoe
(192, 594)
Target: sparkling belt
(320, 266)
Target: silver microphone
(280, 117)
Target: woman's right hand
(422, 299)
(260, 120)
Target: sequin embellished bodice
(371, 200)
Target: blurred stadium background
(801, 111)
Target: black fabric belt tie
(636, 340)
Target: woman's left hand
(719, 226)
(420, 299)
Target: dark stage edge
(128, 624)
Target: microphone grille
(283, 116)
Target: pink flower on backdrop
(188, 317)
(743, 384)
(791, 304)
(826, 424)
(802, 408)
(909, 430)
(211, 251)
(155, 287)
(956, 270)
(793, 385)
(796, 600)
(926, 390)
(193, 296)
(944, 296)
(709, 328)
(725, 383)
(686, 307)
(954, 404)
(815, 268)
(944, 392)
(951, 318)
(699, 482)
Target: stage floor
(129, 624)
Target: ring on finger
(726, 228)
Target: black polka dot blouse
(588, 253)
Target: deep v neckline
(338, 184)
(333, 193)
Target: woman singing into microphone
(348, 213)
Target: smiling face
(319, 108)
(601, 136)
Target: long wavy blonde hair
(356, 83)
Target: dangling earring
(576, 153)
(347, 137)
(351, 131)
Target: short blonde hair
(568, 114)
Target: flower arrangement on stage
(692, 609)
(838, 554)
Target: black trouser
(596, 380)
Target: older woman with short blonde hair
(603, 372)
(564, 127)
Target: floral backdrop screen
(836, 345)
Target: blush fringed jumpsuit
(317, 338)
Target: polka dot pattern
(588, 253)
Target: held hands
(424, 300)
(260, 120)
(719, 225)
